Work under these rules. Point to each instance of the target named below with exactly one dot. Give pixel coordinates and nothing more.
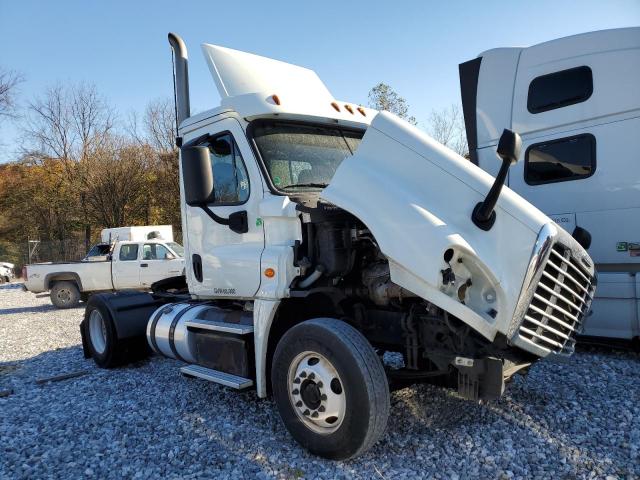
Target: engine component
(334, 247)
(377, 280)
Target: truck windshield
(177, 248)
(301, 157)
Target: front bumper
(556, 295)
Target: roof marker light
(349, 109)
(276, 99)
(361, 110)
(335, 106)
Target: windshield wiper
(294, 185)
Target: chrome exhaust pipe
(180, 77)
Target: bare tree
(9, 82)
(160, 125)
(383, 97)
(92, 118)
(447, 127)
(67, 122)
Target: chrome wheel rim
(97, 331)
(316, 392)
(64, 295)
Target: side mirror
(509, 147)
(197, 175)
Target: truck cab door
(157, 263)
(125, 266)
(221, 262)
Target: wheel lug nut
(303, 375)
(306, 413)
(312, 376)
(296, 391)
(319, 384)
(299, 403)
(314, 415)
(321, 408)
(297, 380)
(323, 397)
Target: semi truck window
(303, 156)
(561, 160)
(230, 179)
(129, 252)
(560, 89)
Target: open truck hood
(416, 197)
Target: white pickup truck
(127, 258)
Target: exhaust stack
(180, 78)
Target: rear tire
(65, 295)
(326, 367)
(102, 342)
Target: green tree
(383, 97)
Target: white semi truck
(576, 103)
(127, 258)
(318, 236)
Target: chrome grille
(560, 301)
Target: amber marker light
(269, 272)
(349, 109)
(335, 106)
(361, 110)
(276, 99)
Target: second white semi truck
(319, 235)
(576, 103)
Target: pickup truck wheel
(330, 388)
(101, 338)
(65, 295)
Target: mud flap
(480, 379)
(83, 336)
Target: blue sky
(121, 46)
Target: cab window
(560, 89)
(155, 251)
(128, 252)
(560, 160)
(230, 179)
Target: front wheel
(330, 388)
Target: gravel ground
(575, 420)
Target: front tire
(330, 388)
(65, 295)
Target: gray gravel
(579, 419)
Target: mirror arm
(237, 221)
(213, 216)
(484, 214)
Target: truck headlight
(469, 282)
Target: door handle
(144, 265)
